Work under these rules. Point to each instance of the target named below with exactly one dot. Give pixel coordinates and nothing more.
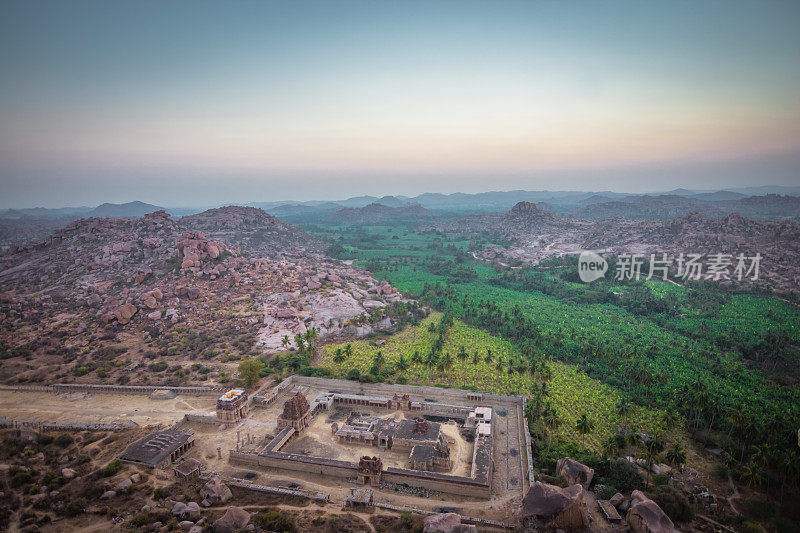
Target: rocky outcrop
(215, 492)
(124, 313)
(446, 523)
(196, 248)
(150, 299)
(528, 210)
(549, 506)
(645, 516)
(234, 519)
(574, 472)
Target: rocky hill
(130, 209)
(381, 214)
(216, 286)
(25, 225)
(252, 229)
(535, 234)
(711, 205)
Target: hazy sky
(197, 102)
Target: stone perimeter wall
(114, 389)
(343, 469)
(383, 389)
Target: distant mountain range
(603, 204)
(764, 202)
(711, 205)
(497, 201)
(130, 209)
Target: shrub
(64, 440)
(407, 519)
(75, 507)
(674, 502)
(20, 478)
(274, 520)
(660, 480)
(140, 519)
(315, 371)
(722, 471)
(158, 367)
(623, 475)
(353, 374)
(605, 492)
(748, 526)
(111, 468)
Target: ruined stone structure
(187, 470)
(401, 402)
(359, 498)
(402, 435)
(430, 458)
(370, 470)
(296, 413)
(232, 406)
(159, 449)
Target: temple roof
(295, 408)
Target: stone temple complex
(232, 406)
(295, 413)
(376, 441)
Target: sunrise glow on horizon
(286, 95)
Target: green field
(570, 390)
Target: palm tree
(551, 422)
(652, 454)
(416, 358)
(462, 353)
(402, 363)
(543, 389)
(489, 355)
(338, 357)
(348, 349)
(609, 446)
(671, 418)
(311, 334)
(378, 360)
(431, 358)
(447, 360)
(676, 456)
(285, 341)
(300, 342)
(752, 476)
(584, 426)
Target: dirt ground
(104, 408)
